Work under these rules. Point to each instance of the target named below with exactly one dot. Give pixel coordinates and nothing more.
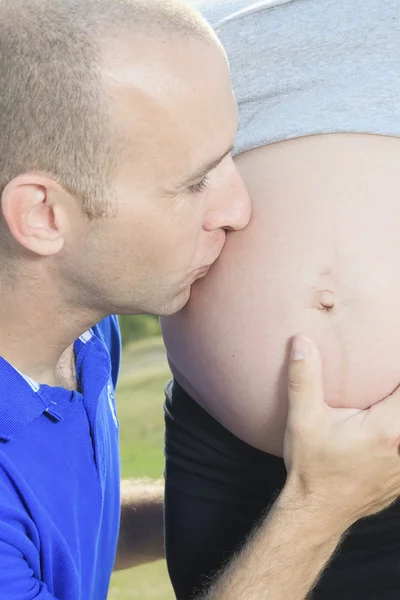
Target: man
(112, 115)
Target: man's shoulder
(10, 480)
(109, 333)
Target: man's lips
(200, 272)
(203, 271)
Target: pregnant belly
(321, 256)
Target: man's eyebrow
(201, 173)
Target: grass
(140, 398)
(149, 582)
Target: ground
(140, 400)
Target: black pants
(218, 488)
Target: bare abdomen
(321, 256)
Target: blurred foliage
(140, 397)
(137, 327)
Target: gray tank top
(304, 67)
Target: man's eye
(197, 188)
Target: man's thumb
(305, 383)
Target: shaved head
(54, 106)
(117, 119)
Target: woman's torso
(321, 256)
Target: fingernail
(300, 348)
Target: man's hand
(343, 464)
(344, 459)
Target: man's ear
(32, 213)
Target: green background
(140, 397)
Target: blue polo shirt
(59, 477)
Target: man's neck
(65, 372)
(37, 332)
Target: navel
(325, 300)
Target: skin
(155, 243)
(177, 118)
(160, 234)
(322, 496)
(324, 234)
(141, 537)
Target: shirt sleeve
(17, 580)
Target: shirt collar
(22, 399)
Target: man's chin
(177, 304)
(182, 298)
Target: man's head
(111, 113)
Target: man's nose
(232, 211)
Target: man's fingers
(305, 384)
(387, 414)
